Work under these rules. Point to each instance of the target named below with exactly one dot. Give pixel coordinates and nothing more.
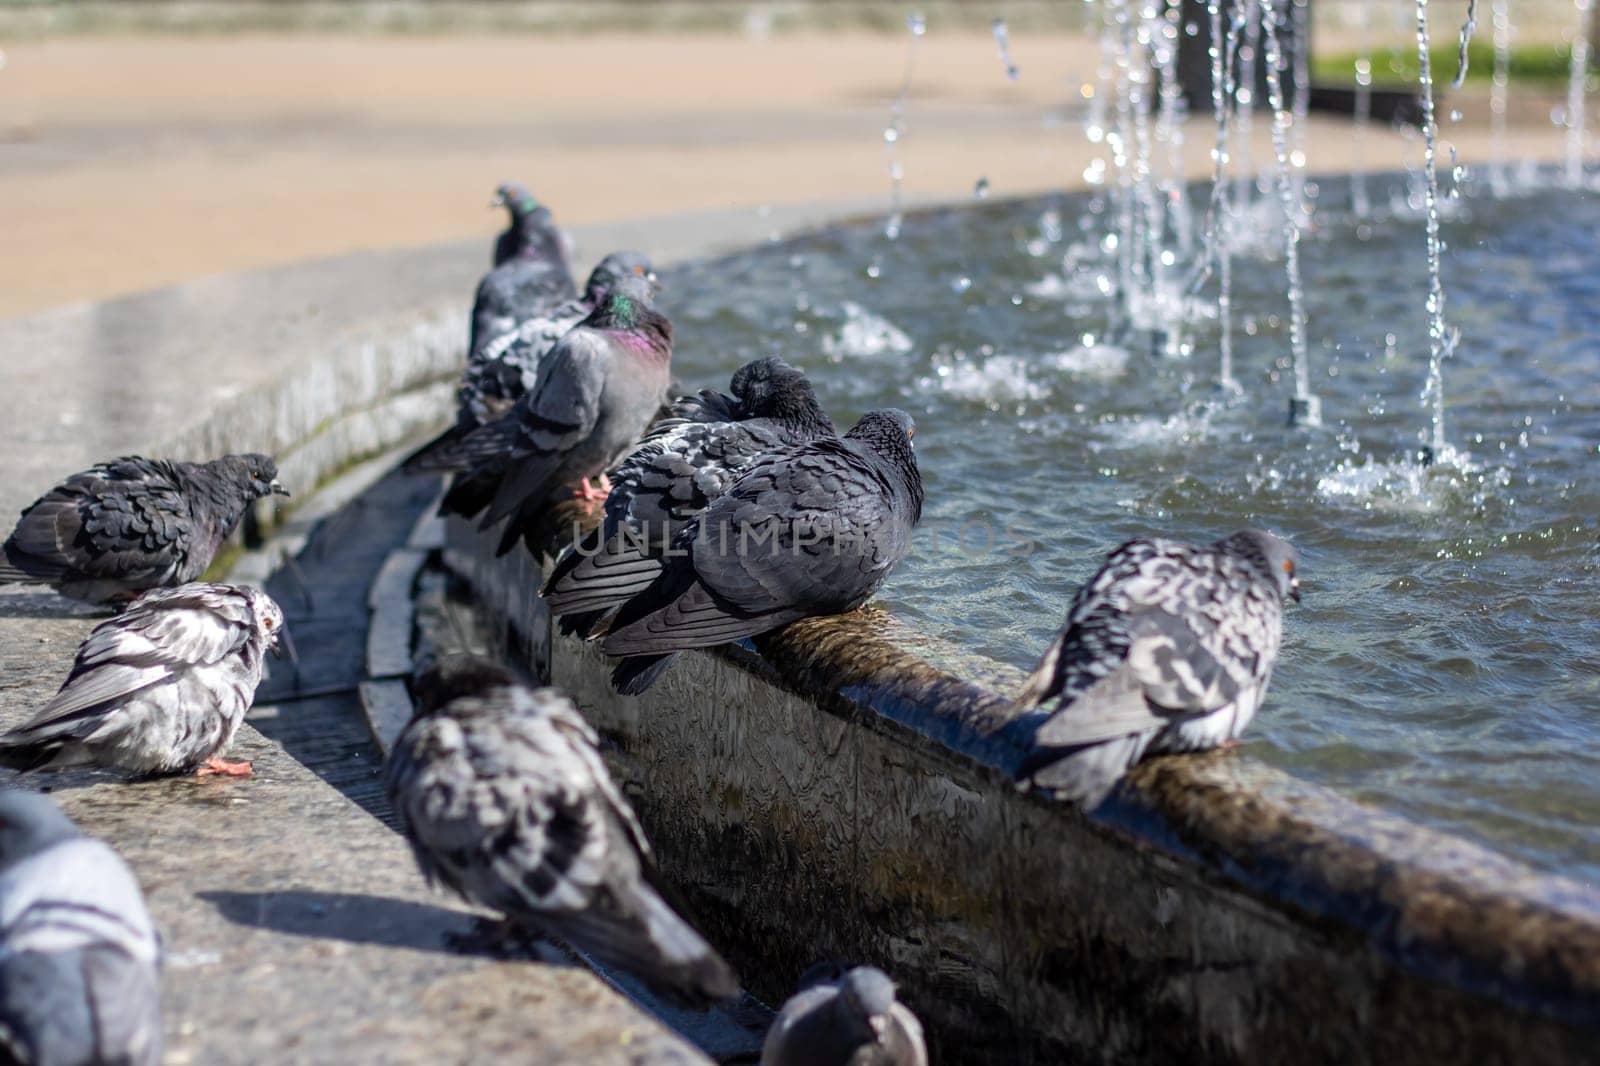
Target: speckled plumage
(160, 688)
(812, 529)
(1168, 648)
(685, 463)
(78, 954)
(115, 530)
(505, 800)
(852, 1020)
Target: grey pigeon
(811, 529)
(505, 800)
(596, 393)
(115, 530)
(79, 956)
(1168, 648)
(684, 464)
(161, 688)
(530, 274)
(500, 373)
(852, 1021)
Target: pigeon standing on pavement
(852, 1021)
(115, 530)
(1167, 649)
(812, 529)
(499, 374)
(161, 688)
(685, 463)
(79, 956)
(530, 274)
(505, 800)
(596, 393)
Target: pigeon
(685, 463)
(853, 1020)
(505, 800)
(161, 688)
(1167, 649)
(530, 274)
(79, 956)
(811, 529)
(596, 393)
(118, 529)
(507, 367)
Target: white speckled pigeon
(1168, 648)
(499, 374)
(596, 393)
(684, 464)
(530, 274)
(109, 533)
(851, 1021)
(812, 529)
(505, 800)
(79, 957)
(161, 688)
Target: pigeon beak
(283, 648)
(1294, 589)
(276, 488)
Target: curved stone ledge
(823, 791)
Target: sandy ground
(128, 163)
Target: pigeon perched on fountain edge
(78, 952)
(596, 394)
(115, 530)
(503, 370)
(161, 688)
(673, 475)
(505, 800)
(1168, 648)
(852, 1020)
(530, 274)
(812, 529)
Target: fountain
(892, 134)
(1441, 341)
(1576, 85)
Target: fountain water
(896, 130)
(1361, 114)
(1305, 409)
(1497, 95)
(1441, 342)
(1576, 80)
(1218, 252)
(1002, 40)
(1467, 29)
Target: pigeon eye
(1288, 567)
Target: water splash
(1304, 409)
(1441, 341)
(896, 130)
(1575, 95)
(1002, 40)
(1362, 113)
(1467, 29)
(1497, 96)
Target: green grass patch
(1547, 64)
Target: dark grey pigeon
(79, 956)
(115, 530)
(684, 464)
(595, 395)
(161, 688)
(505, 800)
(851, 1021)
(812, 529)
(530, 274)
(497, 376)
(1168, 648)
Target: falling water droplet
(961, 284)
(1455, 114)
(1002, 39)
(980, 189)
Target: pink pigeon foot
(592, 493)
(223, 768)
